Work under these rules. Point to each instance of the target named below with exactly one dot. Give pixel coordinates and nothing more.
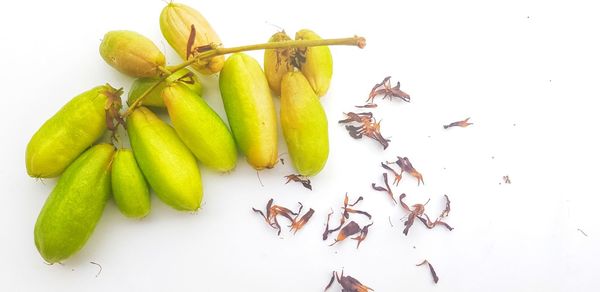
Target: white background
(526, 72)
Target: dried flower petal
(387, 188)
(299, 178)
(387, 90)
(462, 124)
(348, 283)
(433, 273)
(368, 127)
(350, 229)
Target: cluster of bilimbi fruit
(164, 156)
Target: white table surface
(526, 72)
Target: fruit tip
(361, 42)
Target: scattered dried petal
(297, 224)
(368, 105)
(462, 124)
(369, 127)
(348, 230)
(418, 212)
(406, 166)
(433, 273)
(397, 176)
(299, 178)
(385, 88)
(272, 211)
(348, 283)
(327, 231)
(349, 210)
(387, 188)
(352, 227)
(363, 234)
(446, 211)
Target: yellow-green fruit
(250, 110)
(304, 124)
(176, 22)
(278, 62)
(131, 53)
(129, 187)
(64, 136)
(318, 64)
(167, 164)
(154, 98)
(72, 210)
(200, 128)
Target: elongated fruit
(72, 210)
(318, 64)
(167, 164)
(64, 136)
(250, 110)
(200, 128)
(129, 187)
(154, 98)
(278, 62)
(131, 53)
(176, 22)
(304, 124)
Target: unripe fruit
(200, 128)
(318, 64)
(250, 110)
(72, 210)
(131, 53)
(304, 124)
(176, 22)
(64, 136)
(129, 187)
(278, 62)
(154, 98)
(168, 165)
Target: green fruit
(176, 22)
(318, 64)
(129, 187)
(278, 62)
(250, 109)
(72, 210)
(304, 124)
(64, 136)
(131, 53)
(200, 128)
(167, 164)
(154, 98)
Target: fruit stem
(353, 41)
(217, 51)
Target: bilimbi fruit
(168, 165)
(250, 110)
(200, 128)
(154, 98)
(75, 206)
(304, 124)
(278, 62)
(176, 22)
(317, 65)
(129, 187)
(314, 62)
(132, 53)
(74, 128)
